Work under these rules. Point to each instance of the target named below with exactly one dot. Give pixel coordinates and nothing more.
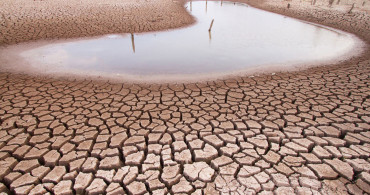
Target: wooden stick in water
(133, 42)
(210, 28)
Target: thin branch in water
(210, 27)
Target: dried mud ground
(303, 132)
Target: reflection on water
(242, 37)
(206, 5)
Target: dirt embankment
(336, 15)
(24, 20)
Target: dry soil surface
(25, 20)
(302, 132)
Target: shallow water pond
(242, 39)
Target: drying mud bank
(336, 15)
(23, 20)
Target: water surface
(242, 39)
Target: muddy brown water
(242, 39)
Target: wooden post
(133, 42)
(288, 5)
(210, 27)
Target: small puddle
(243, 39)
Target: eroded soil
(302, 132)
(24, 20)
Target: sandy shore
(304, 132)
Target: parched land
(303, 132)
(25, 20)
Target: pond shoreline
(322, 14)
(13, 61)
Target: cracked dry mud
(24, 20)
(303, 132)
